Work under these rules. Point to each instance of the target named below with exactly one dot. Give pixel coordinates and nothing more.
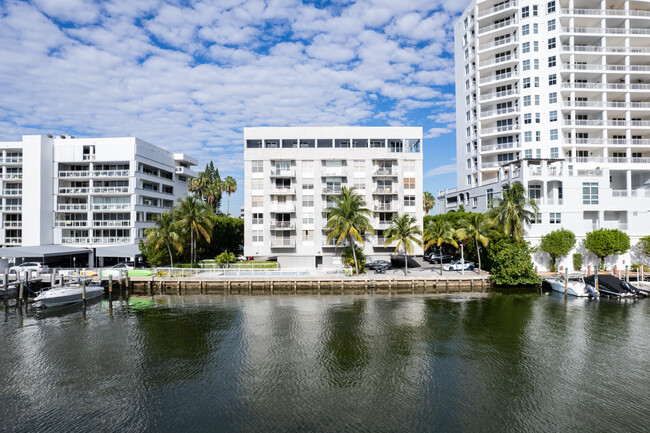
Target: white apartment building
(292, 175)
(555, 95)
(90, 192)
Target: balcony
(499, 43)
(112, 223)
(283, 191)
(551, 201)
(498, 77)
(499, 112)
(72, 207)
(13, 208)
(501, 146)
(111, 190)
(75, 241)
(13, 241)
(490, 165)
(114, 240)
(384, 191)
(74, 173)
(599, 67)
(499, 129)
(381, 224)
(12, 176)
(501, 94)
(283, 225)
(385, 207)
(110, 173)
(332, 171)
(283, 242)
(283, 207)
(111, 206)
(554, 171)
(283, 172)
(74, 191)
(607, 104)
(498, 60)
(606, 31)
(497, 26)
(12, 192)
(608, 50)
(496, 9)
(13, 160)
(590, 173)
(606, 86)
(13, 224)
(384, 171)
(332, 191)
(381, 242)
(70, 224)
(607, 12)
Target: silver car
(456, 265)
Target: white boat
(68, 294)
(575, 286)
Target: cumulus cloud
(443, 169)
(189, 76)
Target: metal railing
(12, 192)
(71, 223)
(111, 206)
(112, 223)
(385, 207)
(283, 243)
(236, 271)
(501, 94)
(332, 171)
(606, 30)
(610, 12)
(110, 190)
(284, 207)
(283, 172)
(283, 225)
(13, 224)
(113, 240)
(13, 160)
(498, 43)
(497, 26)
(600, 67)
(499, 8)
(499, 112)
(82, 190)
(498, 77)
(285, 190)
(384, 171)
(609, 49)
(110, 173)
(74, 173)
(12, 176)
(499, 129)
(498, 60)
(70, 240)
(74, 206)
(327, 190)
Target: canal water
(500, 362)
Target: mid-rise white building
(555, 95)
(292, 175)
(91, 192)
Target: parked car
(435, 258)
(129, 266)
(378, 264)
(456, 265)
(114, 270)
(29, 266)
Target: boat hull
(573, 289)
(68, 295)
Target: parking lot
(426, 270)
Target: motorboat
(575, 286)
(68, 294)
(611, 287)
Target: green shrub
(512, 264)
(607, 242)
(557, 244)
(225, 258)
(161, 273)
(644, 245)
(348, 258)
(577, 261)
(638, 266)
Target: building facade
(90, 192)
(555, 95)
(293, 174)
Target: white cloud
(443, 169)
(437, 132)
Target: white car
(28, 266)
(456, 265)
(115, 270)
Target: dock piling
(20, 293)
(83, 293)
(110, 291)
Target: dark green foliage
(348, 258)
(557, 244)
(577, 261)
(225, 258)
(607, 242)
(644, 245)
(511, 264)
(227, 234)
(152, 255)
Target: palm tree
(229, 187)
(165, 233)
(213, 193)
(348, 220)
(514, 210)
(194, 215)
(477, 226)
(428, 202)
(404, 230)
(438, 232)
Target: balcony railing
(606, 31)
(13, 224)
(89, 157)
(334, 191)
(590, 173)
(12, 176)
(332, 171)
(283, 207)
(13, 208)
(111, 206)
(498, 77)
(498, 43)
(498, 147)
(499, 112)
(601, 49)
(283, 191)
(489, 165)
(13, 160)
(600, 67)
(384, 190)
(498, 60)
(501, 94)
(110, 190)
(612, 141)
(70, 223)
(71, 240)
(381, 242)
(609, 123)
(13, 241)
(113, 240)
(607, 86)
(607, 104)
(112, 223)
(499, 8)
(12, 192)
(283, 172)
(381, 224)
(385, 171)
(609, 12)
(72, 207)
(283, 225)
(74, 173)
(551, 201)
(497, 26)
(111, 173)
(82, 190)
(385, 207)
(283, 242)
(499, 129)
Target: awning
(130, 250)
(42, 251)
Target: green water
(504, 363)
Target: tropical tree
(461, 240)
(208, 186)
(195, 216)
(229, 187)
(514, 210)
(213, 193)
(557, 244)
(428, 202)
(348, 220)
(405, 231)
(165, 233)
(607, 242)
(477, 226)
(438, 232)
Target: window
(550, 7)
(359, 167)
(469, 163)
(536, 99)
(552, 116)
(257, 201)
(552, 98)
(536, 63)
(555, 218)
(537, 118)
(258, 218)
(308, 201)
(535, 28)
(409, 183)
(308, 185)
(307, 143)
(552, 61)
(528, 136)
(534, 10)
(474, 202)
(341, 143)
(490, 195)
(526, 65)
(307, 218)
(289, 143)
(252, 144)
(468, 148)
(525, 29)
(468, 116)
(590, 193)
(257, 166)
(552, 79)
(536, 81)
(409, 166)
(528, 153)
(468, 131)
(526, 83)
(537, 219)
(469, 179)
(466, 54)
(525, 12)
(307, 235)
(257, 184)
(538, 136)
(409, 200)
(553, 134)
(360, 142)
(466, 84)
(551, 25)
(258, 236)
(466, 103)
(525, 48)
(526, 100)
(551, 43)
(538, 153)
(535, 46)
(554, 152)
(466, 69)
(379, 143)
(528, 118)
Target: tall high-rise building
(292, 175)
(555, 95)
(87, 192)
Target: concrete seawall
(267, 286)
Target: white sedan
(456, 265)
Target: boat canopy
(42, 251)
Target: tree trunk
(354, 255)
(478, 253)
(228, 210)
(406, 261)
(191, 247)
(440, 249)
(171, 258)
(462, 260)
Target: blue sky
(189, 75)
